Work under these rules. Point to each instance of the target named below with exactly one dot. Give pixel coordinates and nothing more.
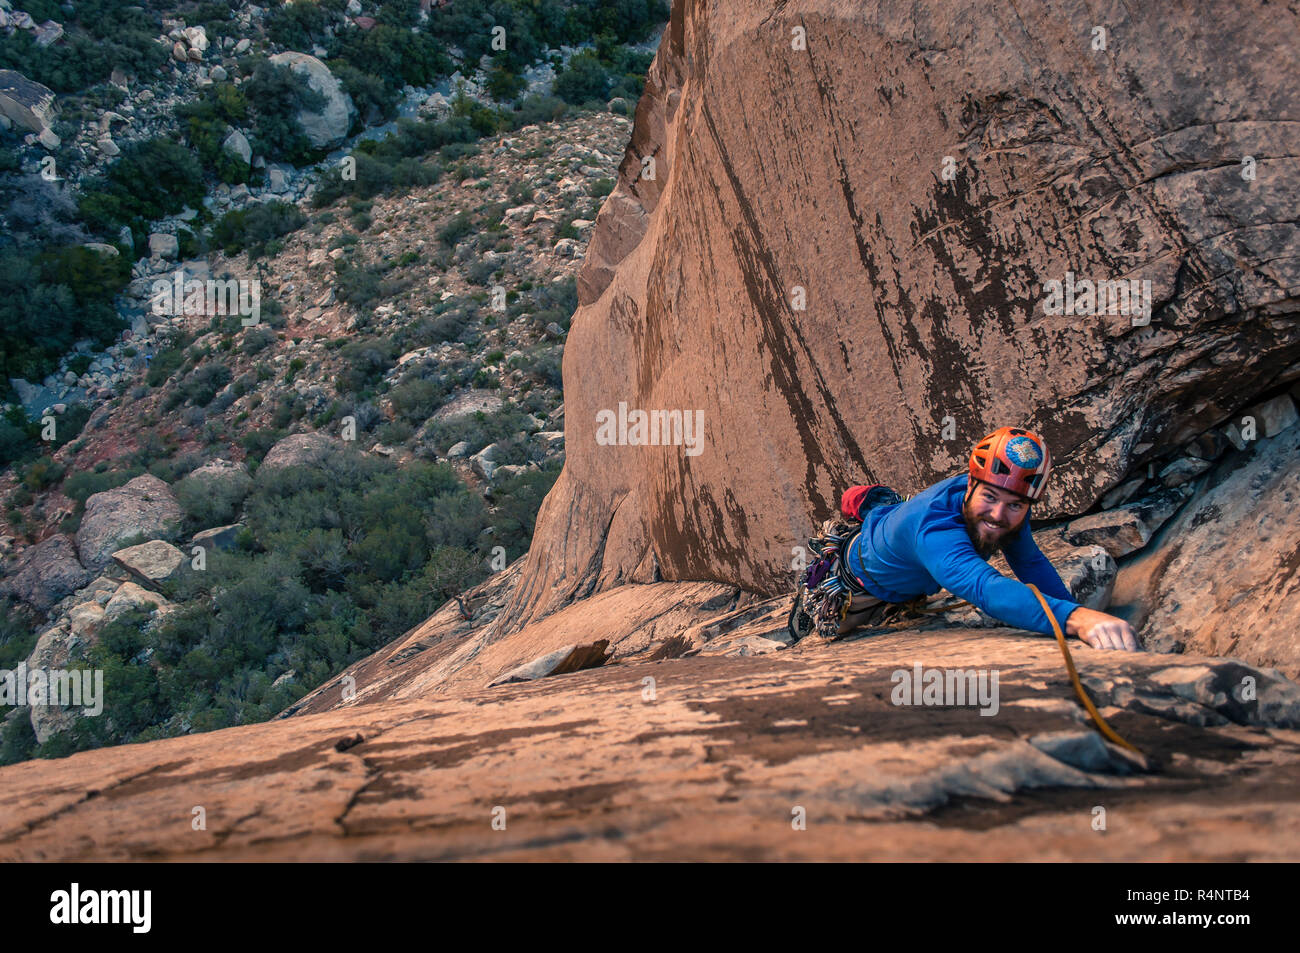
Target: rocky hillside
(267, 256)
(841, 244)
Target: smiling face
(992, 515)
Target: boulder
(25, 103)
(219, 537)
(236, 144)
(129, 597)
(1273, 416)
(45, 573)
(151, 563)
(1127, 528)
(54, 649)
(1224, 580)
(1183, 469)
(328, 126)
(86, 619)
(144, 505)
(469, 402)
(163, 245)
(300, 449)
(220, 479)
(48, 33)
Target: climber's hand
(1102, 631)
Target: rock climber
(943, 537)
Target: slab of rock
(1182, 470)
(45, 573)
(219, 537)
(703, 759)
(569, 658)
(300, 449)
(1127, 528)
(24, 102)
(1119, 532)
(151, 563)
(1273, 416)
(144, 505)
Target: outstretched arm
(1097, 629)
(947, 553)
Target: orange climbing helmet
(1013, 459)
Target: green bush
(254, 228)
(479, 428)
(149, 180)
(583, 78)
(365, 362)
(80, 61)
(210, 502)
(460, 225)
(205, 122)
(203, 383)
(54, 297)
(518, 499)
(83, 484)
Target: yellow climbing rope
(918, 606)
(1104, 728)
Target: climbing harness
(824, 590)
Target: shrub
(53, 298)
(149, 180)
(460, 225)
(205, 121)
(255, 227)
(582, 79)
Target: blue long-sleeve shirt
(919, 546)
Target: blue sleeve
(1030, 565)
(947, 554)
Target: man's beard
(984, 547)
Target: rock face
(1228, 580)
(144, 505)
(705, 759)
(45, 573)
(328, 126)
(841, 254)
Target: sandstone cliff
(816, 177)
(789, 252)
